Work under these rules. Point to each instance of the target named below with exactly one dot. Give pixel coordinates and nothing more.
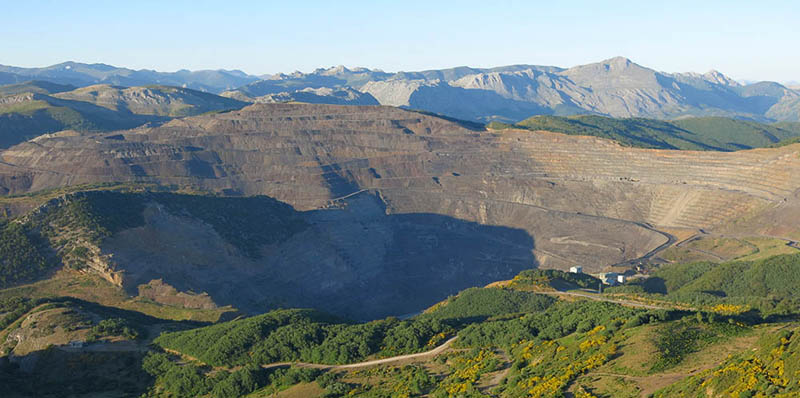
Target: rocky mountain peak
(336, 70)
(719, 78)
(618, 62)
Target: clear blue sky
(754, 40)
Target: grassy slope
(735, 133)
(44, 114)
(767, 286)
(770, 369)
(710, 133)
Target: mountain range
(616, 87)
(80, 74)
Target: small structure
(621, 279)
(576, 269)
(608, 278)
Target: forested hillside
(704, 134)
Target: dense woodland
(23, 254)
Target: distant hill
(790, 126)
(26, 116)
(36, 87)
(80, 74)
(708, 133)
(152, 100)
(733, 133)
(38, 107)
(324, 95)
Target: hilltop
(31, 109)
(152, 100)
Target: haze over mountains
(79, 74)
(615, 87)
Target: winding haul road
(374, 362)
(627, 303)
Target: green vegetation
(189, 380)
(512, 342)
(553, 279)
(247, 223)
(788, 126)
(788, 141)
(464, 371)
(765, 287)
(34, 86)
(22, 254)
(547, 368)
(35, 108)
(114, 327)
(734, 133)
(770, 370)
(12, 308)
(675, 340)
(706, 133)
(478, 304)
(559, 320)
(154, 100)
(99, 214)
(303, 335)
(42, 114)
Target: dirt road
(608, 300)
(374, 362)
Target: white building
(576, 270)
(609, 278)
(621, 279)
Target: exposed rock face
(324, 95)
(163, 293)
(354, 260)
(615, 87)
(578, 197)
